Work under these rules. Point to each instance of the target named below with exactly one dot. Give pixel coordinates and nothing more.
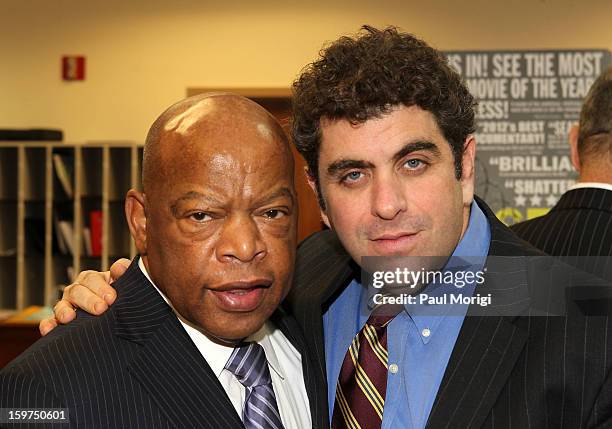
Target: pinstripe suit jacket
(580, 224)
(505, 371)
(132, 367)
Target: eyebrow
(193, 195)
(344, 164)
(416, 146)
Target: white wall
(142, 55)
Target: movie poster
(527, 102)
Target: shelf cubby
(48, 192)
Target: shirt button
(426, 332)
(393, 368)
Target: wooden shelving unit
(33, 201)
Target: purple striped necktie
(249, 364)
(362, 384)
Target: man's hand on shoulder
(91, 292)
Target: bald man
(196, 338)
(580, 224)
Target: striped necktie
(249, 364)
(362, 384)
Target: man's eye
(353, 176)
(413, 163)
(200, 217)
(274, 214)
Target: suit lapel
(488, 346)
(313, 318)
(314, 384)
(180, 381)
(322, 291)
(486, 350)
(168, 365)
(483, 358)
(314, 286)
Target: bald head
(205, 120)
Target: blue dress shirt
(420, 339)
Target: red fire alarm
(73, 68)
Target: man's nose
(387, 198)
(240, 240)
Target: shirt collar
(477, 238)
(598, 185)
(262, 337)
(472, 251)
(217, 355)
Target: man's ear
(573, 142)
(137, 219)
(468, 163)
(313, 185)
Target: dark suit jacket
(132, 367)
(505, 370)
(580, 224)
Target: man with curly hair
(386, 127)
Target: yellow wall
(142, 55)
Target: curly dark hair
(364, 77)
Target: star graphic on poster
(536, 200)
(520, 200)
(551, 200)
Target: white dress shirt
(598, 185)
(284, 360)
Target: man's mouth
(241, 296)
(391, 243)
